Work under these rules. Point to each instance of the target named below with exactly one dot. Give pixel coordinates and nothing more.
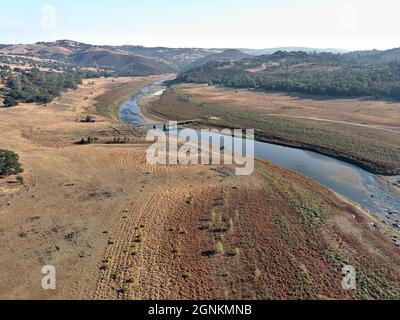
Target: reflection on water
(354, 183)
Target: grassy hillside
(122, 60)
(353, 74)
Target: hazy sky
(347, 24)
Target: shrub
(89, 119)
(10, 102)
(88, 140)
(219, 247)
(20, 179)
(104, 267)
(125, 289)
(130, 280)
(9, 164)
(189, 200)
(230, 225)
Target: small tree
(9, 164)
(219, 247)
(9, 102)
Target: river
(363, 188)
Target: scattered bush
(219, 247)
(215, 219)
(89, 119)
(119, 140)
(139, 238)
(20, 179)
(125, 289)
(189, 200)
(88, 140)
(104, 267)
(10, 102)
(257, 273)
(230, 225)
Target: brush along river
(369, 191)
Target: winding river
(367, 190)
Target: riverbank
(375, 150)
(109, 103)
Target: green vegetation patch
(109, 103)
(311, 73)
(39, 87)
(369, 285)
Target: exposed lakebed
(369, 191)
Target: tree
(9, 164)
(9, 102)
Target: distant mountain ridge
(126, 59)
(291, 49)
(122, 62)
(131, 60)
(228, 54)
(367, 73)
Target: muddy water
(361, 187)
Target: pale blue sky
(347, 24)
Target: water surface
(356, 184)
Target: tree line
(320, 74)
(41, 87)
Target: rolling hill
(226, 55)
(258, 52)
(375, 73)
(120, 61)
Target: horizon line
(203, 47)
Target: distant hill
(116, 59)
(257, 52)
(125, 60)
(128, 60)
(177, 57)
(375, 74)
(376, 56)
(229, 54)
